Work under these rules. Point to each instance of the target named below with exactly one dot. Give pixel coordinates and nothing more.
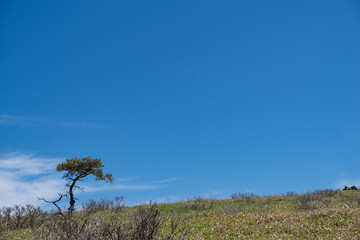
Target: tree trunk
(72, 199)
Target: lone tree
(75, 170)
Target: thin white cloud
(25, 177)
(115, 187)
(213, 194)
(347, 182)
(11, 119)
(166, 180)
(131, 187)
(26, 164)
(168, 199)
(27, 121)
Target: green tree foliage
(78, 168)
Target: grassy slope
(327, 215)
(323, 215)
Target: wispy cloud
(29, 121)
(11, 119)
(130, 187)
(347, 182)
(25, 177)
(166, 180)
(26, 164)
(115, 187)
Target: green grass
(322, 215)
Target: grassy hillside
(320, 215)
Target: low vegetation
(325, 214)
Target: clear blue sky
(184, 98)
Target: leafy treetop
(78, 168)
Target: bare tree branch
(54, 202)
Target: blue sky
(180, 98)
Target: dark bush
(243, 196)
(308, 201)
(291, 194)
(327, 193)
(116, 205)
(19, 217)
(198, 203)
(144, 224)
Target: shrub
(307, 201)
(67, 228)
(198, 203)
(19, 217)
(116, 205)
(143, 224)
(291, 194)
(242, 196)
(327, 193)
